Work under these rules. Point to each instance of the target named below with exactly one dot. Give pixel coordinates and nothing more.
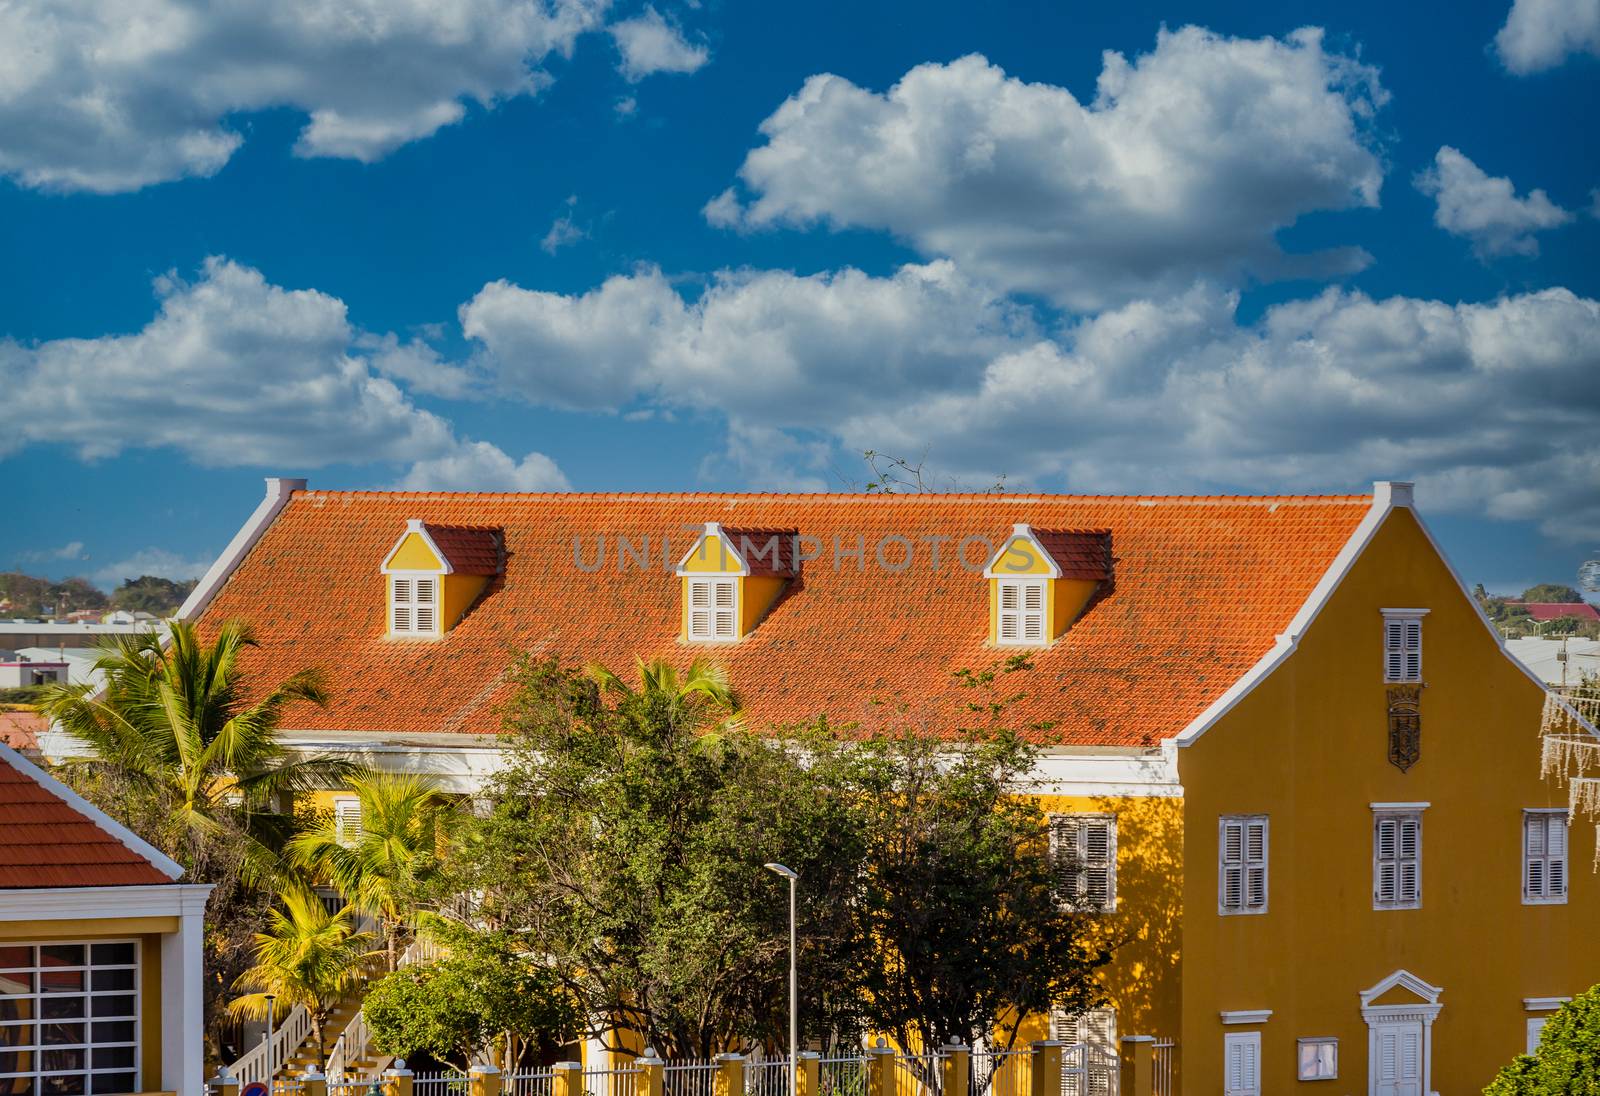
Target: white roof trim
(713, 529)
(416, 525)
(1385, 497)
(1406, 980)
(278, 492)
(1404, 612)
(165, 864)
(1025, 531)
(1247, 1016)
(84, 903)
(1543, 1004)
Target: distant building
(1557, 661)
(18, 634)
(1545, 611)
(17, 671)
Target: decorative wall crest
(1405, 725)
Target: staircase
(367, 1061)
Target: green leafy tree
(306, 956)
(485, 997)
(151, 594)
(1551, 591)
(381, 869)
(29, 596)
(1567, 1059)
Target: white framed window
(1020, 614)
(414, 605)
(1318, 1059)
(1535, 1030)
(713, 609)
(346, 819)
(1241, 1061)
(1402, 645)
(69, 1017)
(1090, 1062)
(1544, 857)
(1396, 858)
(1083, 851)
(1242, 867)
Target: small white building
(1557, 660)
(17, 671)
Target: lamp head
(788, 873)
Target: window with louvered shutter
(1241, 1063)
(1402, 648)
(1397, 860)
(1083, 852)
(713, 609)
(1544, 856)
(346, 820)
(1089, 1062)
(400, 604)
(1020, 614)
(414, 604)
(1242, 868)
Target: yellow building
(1287, 761)
(100, 949)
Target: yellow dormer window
(731, 577)
(1040, 582)
(435, 574)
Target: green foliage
(30, 596)
(1551, 591)
(1567, 1060)
(483, 995)
(22, 694)
(151, 594)
(625, 843)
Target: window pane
(120, 1004)
(16, 1035)
(110, 1057)
(16, 982)
(113, 1082)
(16, 1061)
(16, 1086)
(112, 980)
(15, 956)
(63, 1059)
(63, 1033)
(69, 1085)
(61, 1008)
(61, 955)
(112, 1031)
(16, 1008)
(61, 981)
(112, 954)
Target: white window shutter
(699, 609)
(725, 624)
(427, 607)
(346, 820)
(1402, 648)
(1242, 1064)
(400, 600)
(1397, 861)
(1020, 613)
(1544, 856)
(1083, 850)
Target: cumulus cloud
(232, 371)
(1492, 405)
(72, 550)
(1485, 209)
(151, 561)
(1540, 34)
(479, 466)
(649, 44)
(110, 97)
(1187, 162)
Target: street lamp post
(794, 993)
(271, 1072)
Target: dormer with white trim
(435, 573)
(1041, 581)
(731, 578)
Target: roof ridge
(833, 497)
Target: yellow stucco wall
(148, 932)
(1309, 748)
(414, 555)
(456, 592)
(711, 556)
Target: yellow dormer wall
(756, 596)
(1064, 598)
(1020, 559)
(1065, 602)
(456, 592)
(713, 555)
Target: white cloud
(562, 233)
(1492, 406)
(649, 44)
(1187, 163)
(72, 550)
(1485, 209)
(1540, 34)
(479, 466)
(235, 371)
(151, 561)
(110, 97)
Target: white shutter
(699, 609)
(1242, 1063)
(346, 820)
(400, 599)
(713, 609)
(1019, 618)
(1090, 1065)
(1242, 867)
(1255, 895)
(427, 605)
(1402, 648)
(725, 617)
(1397, 861)
(1544, 856)
(1084, 853)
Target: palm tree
(307, 956)
(684, 700)
(403, 826)
(175, 724)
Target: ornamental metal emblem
(1405, 725)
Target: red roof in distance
(1555, 610)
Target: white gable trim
(713, 529)
(1023, 531)
(136, 844)
(1406, 980)
(416, 525)
(1385, 497)
(278, 492)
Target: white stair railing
(352, 1044)
(261, 1062)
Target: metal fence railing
(842, 1076)
(1166, 1050)
(689, 1077)
(1001, 1072)
(534, 1083)
(767, 1077)
(439, 1084)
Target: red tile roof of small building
(1555, 610)
(1080, 553)
(1201, 587)
(767, 553)
(47, 842)
(470, 550)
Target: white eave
(417, 526)
(713, 529)
(1022, 531)
(279, 491)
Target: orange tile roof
(46, 842)
(469, 550)
(1079, 553)
(1201, 587)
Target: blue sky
(501, 245)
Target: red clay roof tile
(46, 842)
(1201, 586)
(470, 550)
